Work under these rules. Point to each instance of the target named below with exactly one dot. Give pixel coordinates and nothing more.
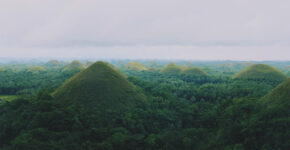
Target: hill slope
(171, 68)
(135, 66)
(280, 95)
(261, 71)
(100, 86)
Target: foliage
(99, 108)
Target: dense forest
(82, 105)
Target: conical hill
(261, 71)
(74, 66)
(194, 71)
(171, 68)
(135, 66)
(100, 86)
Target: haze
(146, 29)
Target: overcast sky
(160, 29)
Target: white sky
(160, 29)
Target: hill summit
(171, 68)
(261, 71)
(100, 86)
(194, 71)
(135, 66)
(74, 66)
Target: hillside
(194, 71)
(74, 66)
(261, 71)
(280, 95)
(135, 66)
(171, 68)
(100, 86)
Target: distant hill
(135, 66)
(194, 71)
(171, 68)
(74, 66)
(261, 71)
(54, 64)
(35, 69)
(100, 86)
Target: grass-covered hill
(261, 71)
(74, 66)
(194, 71)
(100, 86)
(135, 66)
(171, 68)
(280, 95)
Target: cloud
(157, 52)
(144, 23)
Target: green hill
(74, 66)
(280, 95)
(261, 71)
(135, 66)
(194, 71)
(100, 86)
(171, 68)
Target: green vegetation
(101, 108)
(2, 69)
(135, 66)
(262, 72)
(8, 97)
(28, 80)
(171, 68)
(36, 69)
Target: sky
(146, 29)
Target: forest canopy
(124, 105)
